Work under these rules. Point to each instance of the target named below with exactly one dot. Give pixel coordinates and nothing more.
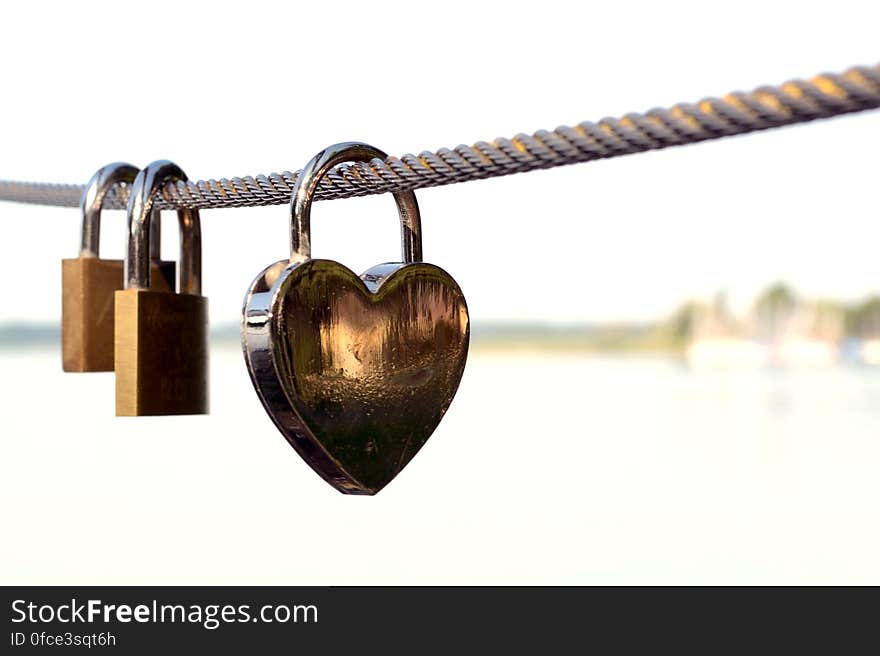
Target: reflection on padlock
(88, 282)
(161, 340)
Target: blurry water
(547, 469)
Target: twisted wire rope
(797, 101)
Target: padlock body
(87, 309)
(161, 353)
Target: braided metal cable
(797, 101)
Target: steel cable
(797, 101)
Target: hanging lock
(161, 337)
(356, 372)
(89, 282)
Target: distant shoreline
(636, 337)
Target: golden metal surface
(161, 353)
(356, 372)
(87, 288)
(161, 340)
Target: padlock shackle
(92, 200)
(307, 184)
(141, 212)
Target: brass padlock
(88, 282)
(161, 337)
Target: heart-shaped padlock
(356, 372)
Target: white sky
(244, 89)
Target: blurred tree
(684, 320)
(773, 309)
(863, 319)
